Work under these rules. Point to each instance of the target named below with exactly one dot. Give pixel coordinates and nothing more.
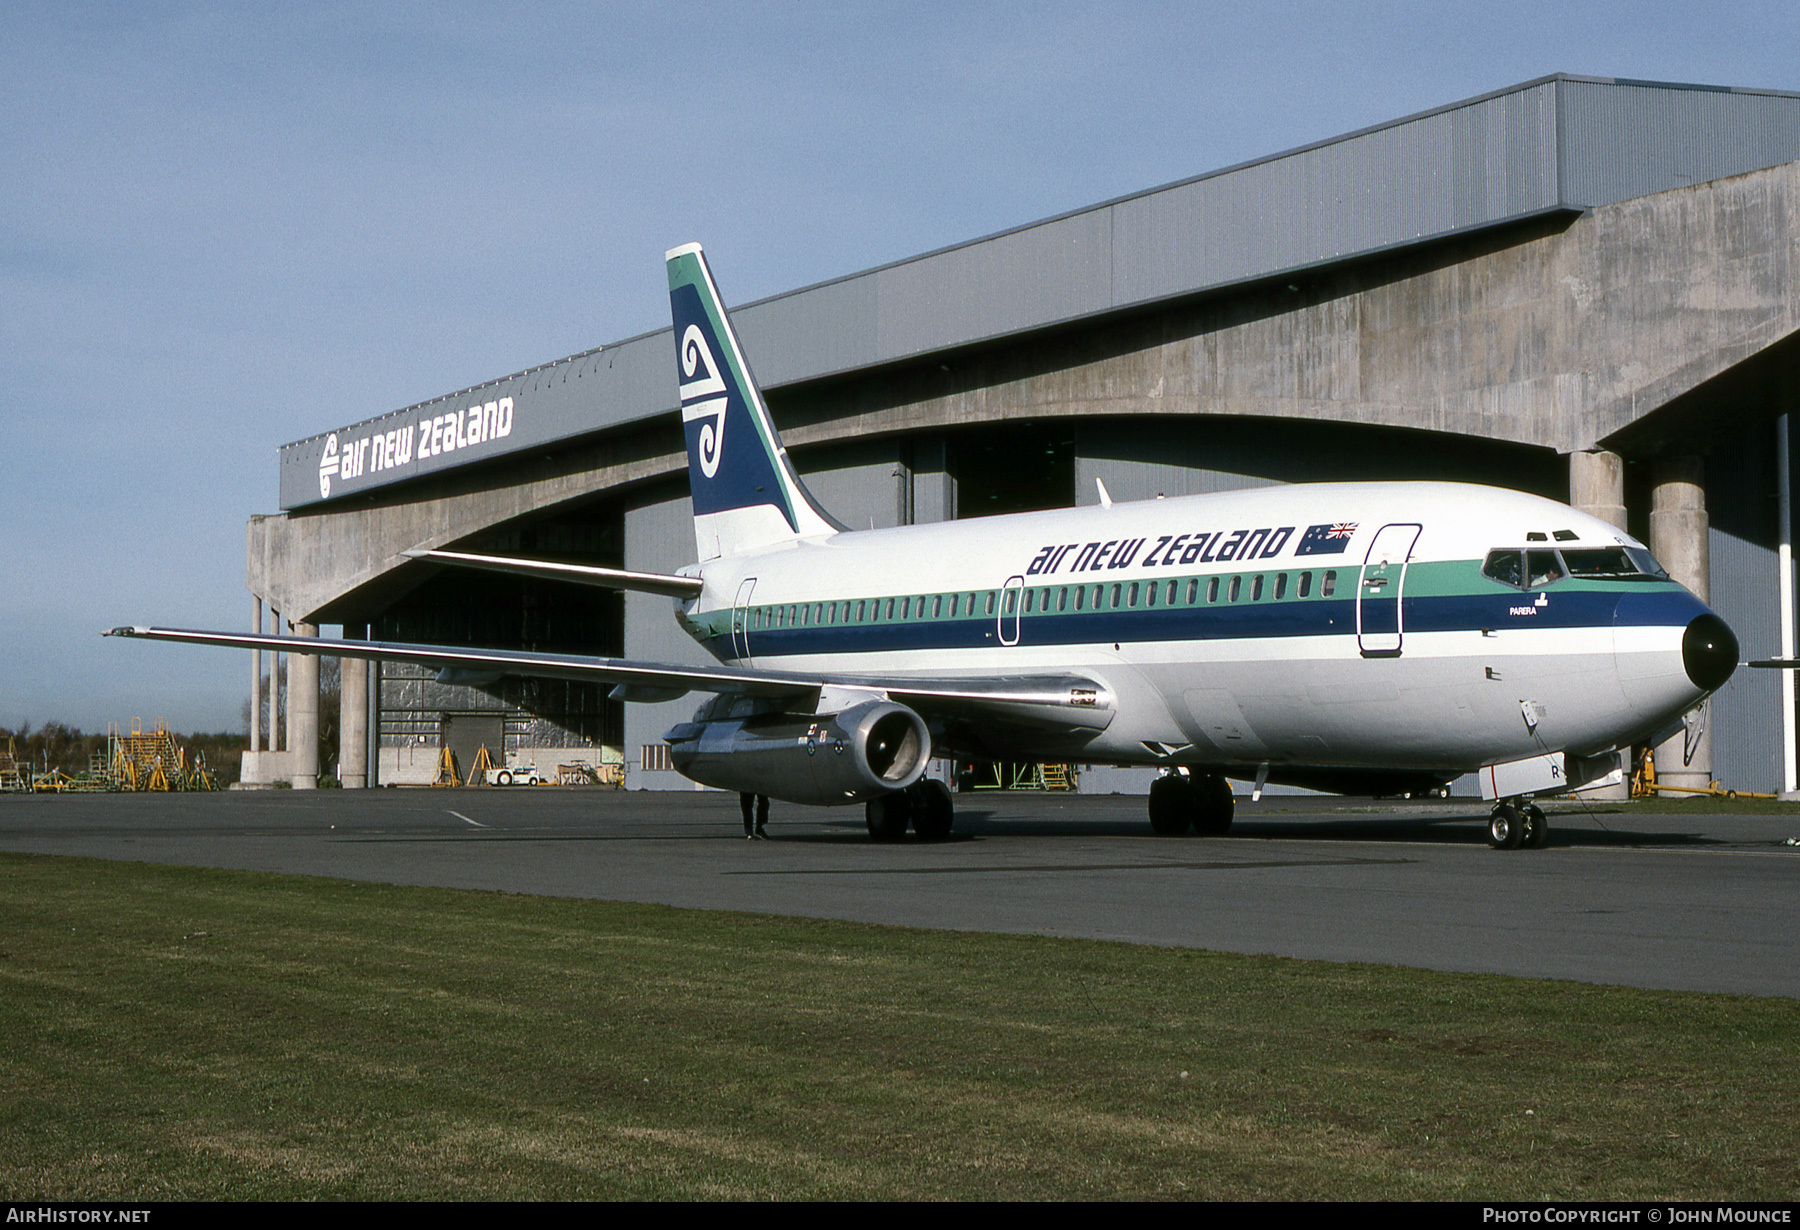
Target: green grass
(180, 1033)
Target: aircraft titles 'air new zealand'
(1361, 637)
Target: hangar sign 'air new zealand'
(1349, 636)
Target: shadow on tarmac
(1568, 830)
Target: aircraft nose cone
(1709, 651)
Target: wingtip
(125, 630)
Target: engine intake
(862, 753)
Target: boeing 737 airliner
(1358, 637)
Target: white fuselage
(1405, 654)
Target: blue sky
(223, 228)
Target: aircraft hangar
(1581, 287)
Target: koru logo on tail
(703, 396)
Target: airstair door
(1379, 620)
(740, 622)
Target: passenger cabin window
(990, 602)
(1280, 586)
(1193, 591)
(1232, 594)
(1328, 584)
(1305, 584)
(1212, 589)
(1256, 589)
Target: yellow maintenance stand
(151, 760)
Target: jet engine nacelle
(861, 753)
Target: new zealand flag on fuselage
(1326, 539)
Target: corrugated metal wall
(864, 485)
(1741, 506)
(1628, 139)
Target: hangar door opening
(544, 722)
(465, 734)
(1018, 467)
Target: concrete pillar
(1784, 570)
(1597, 485)
(374, 722)
(303, 713)
(353, 720)
(277, 691)
(1678, 528)
(256, 690)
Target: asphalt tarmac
(1688, 902)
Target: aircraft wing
(1067, 701)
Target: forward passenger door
(1379, 630)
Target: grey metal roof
(1556, 143)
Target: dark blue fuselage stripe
(1241, 621)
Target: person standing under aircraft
(760, 804)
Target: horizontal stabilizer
(580, 574)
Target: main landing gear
(1517, 823)
(926, 805)
(1181, 801)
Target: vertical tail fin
(746, 494)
